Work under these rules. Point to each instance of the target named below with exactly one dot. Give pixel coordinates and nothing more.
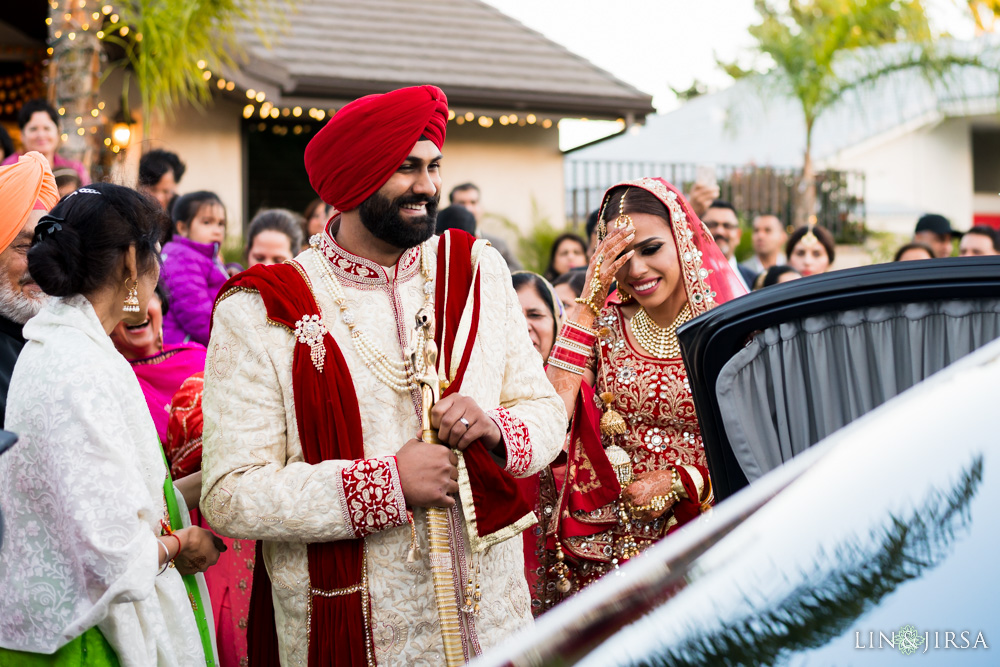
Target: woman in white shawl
(88, 571)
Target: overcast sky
(655, 44)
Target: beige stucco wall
(210, 144)
(513, 166)
(928, 170)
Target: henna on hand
(647, 486)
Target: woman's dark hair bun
(96, 227)
(55, 262)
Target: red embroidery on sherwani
(364, 273)
(515, 438)
(372, 496)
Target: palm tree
(74, 75)
(818, 51)
(167, 49)
(984, 13)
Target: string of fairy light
(257, 105)
(105, 21)
(102, 21)
(98, 18)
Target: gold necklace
(396, 374)
(660, 342)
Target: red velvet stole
(329, 423)
(497, 500)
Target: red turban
(364, 143)
(25, 185)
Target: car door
(778, 370)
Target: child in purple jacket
(192, 272)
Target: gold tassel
(612, 423)
(561, 571)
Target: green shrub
(534, 245)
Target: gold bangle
(656, 504)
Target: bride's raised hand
(608, 258)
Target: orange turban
(23, 184)
(364, 143)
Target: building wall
(518, 170)
(928, 170)
(210, 144)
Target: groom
(311, 411)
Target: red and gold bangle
(574, 357)
(576, 370)
(568, 360)
(578, 334)
(574, 346)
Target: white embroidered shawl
(82, 493)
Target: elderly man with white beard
(27, 191)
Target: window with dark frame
(986, 160)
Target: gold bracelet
(656, 504)
(589, 302)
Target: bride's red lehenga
(585, 531)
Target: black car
(875, 544)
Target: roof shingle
(344, 48)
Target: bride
(635, 467)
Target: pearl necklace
(660, 342)
(396, 374)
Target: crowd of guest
(110, 375)
(779, 252)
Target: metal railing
(752, 190)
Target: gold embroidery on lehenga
(661, 430)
